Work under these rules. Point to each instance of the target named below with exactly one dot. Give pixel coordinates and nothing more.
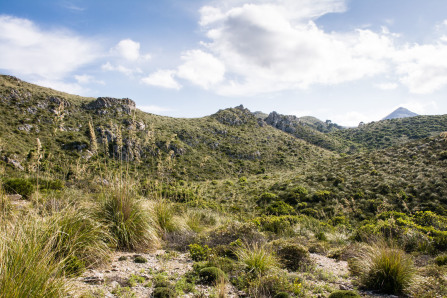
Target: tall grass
(384, 268)
(28, 264)
(127, 220)
(80, 240)
(163, 215)
(257, 258)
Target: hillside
(230, 142)
(101, 199)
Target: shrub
(20, 186)
(282, 295)
(293, 256)
(140, 259)
(280, 208)
(294, 195)
(441, 260)
(384, 268)
(163, 292)
(257, 258)
(198, 252)
(210, 275)
(127, 221)
(270, 285)
(266, 198)
(344, 294)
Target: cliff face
(103, 105)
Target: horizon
(340, 60)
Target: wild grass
(257, 258)
(80, 240)
(28, 264)
(163, 216)
(385, 268)
(127, 220)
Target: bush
(140, 259)
(441, 260)
(198, 252)
(293, 256)
(163, 292)
(210, 275)
(282, 295)
(344, 294)
(280, 208)
(384, 268)
(266, 198)
(127, 221)
(20, 186)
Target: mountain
(400, 113)
(77, 130)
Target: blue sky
(343, 60)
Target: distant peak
(400, 112)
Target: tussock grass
(163, 215)
(29, 266)
(384, 268)
(257, 258)
(127, 220)
(80, 240)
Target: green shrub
(344, 294)
(280, 208)
(441, 260)
(210, 275)
(21, 186)
(127, 221)
(140, 259)
(293, 256)
(384, 268)
(266, 198)
(282, 295)
(163, 292)
(294, 195)
(198, 252)
(270, 285)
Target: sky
(347, 61)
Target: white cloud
(201, 69)
(87, 79)
(353, 118)
(72, 88)
(25, 49)
(387, 86)
(422, 68)
(420, 107)
(129, 50)
(154, 109)
(162, 78)
(120, 68)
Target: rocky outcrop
(102, 105)
(282, 122)
(235, 117)
(15, 163)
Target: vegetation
(253, 206)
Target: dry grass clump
(29, 267)
(127, 220)
(258, 258)
(384, 268)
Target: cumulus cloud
(201, 69)
(72, 88)
(120, 68)
(87, 79)
(269, 46)
(25, 49)
(129, 50)
(154, 109)
(162, 78)
(422, 68)
(387, 86)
